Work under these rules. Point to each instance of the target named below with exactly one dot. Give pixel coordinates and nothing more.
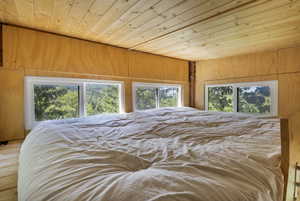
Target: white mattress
(168, 154)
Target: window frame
(30, 81)
(135, 85)
(273, 84)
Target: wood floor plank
(8, 182)
(9, 159)
(8, 170)
(8, 156)
(9, 195)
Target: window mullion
(157, 97)
(82, 99)
(235, 99)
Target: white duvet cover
(167, 154)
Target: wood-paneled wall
(30, 52)
(282, 65)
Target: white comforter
(167, 154)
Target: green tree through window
(55, 102)
(102, 99)
(246, 98)
(254, 100)
(62, 101)
(220, 99)
(151, 97)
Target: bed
(165, 154)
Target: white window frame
(135, 85)
(30, 81)
(274, 94)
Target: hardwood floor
(9, 155)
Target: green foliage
(145, 98)
(55, 102)
(250, 99)
(61, 102)
(254, 100)
(220, 99)
(102, 99)
(168, 97)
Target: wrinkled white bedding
(167, 154)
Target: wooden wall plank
(289, 60)
(10, 47)
(11, 105)
(293, 154)
(289, 90)
(141, 66)
(27, 49)
(1, 46)
(256, 64)
(151, 67)
(43, 51)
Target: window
(151, 96)
(55, 101)
(62, 98)
(254, 98)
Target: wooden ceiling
(187, 29)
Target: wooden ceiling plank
(76, 15)
(263, 42)
(216, 24)
(181, 19)
(261, 37)
(274, 44)
(2, 6)
(220, 53)
(244, 38)
(10, 12)
(124, 21)
(202, 14)
(277, 22)
(62, 9)
(25, 12)
(155, 15)
(43, 12)
(113, 14)
(96, 12)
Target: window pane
(220, 99)
(102, 98)
(55, 102)
(254, 99)
(168, 97)
(145, 98)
